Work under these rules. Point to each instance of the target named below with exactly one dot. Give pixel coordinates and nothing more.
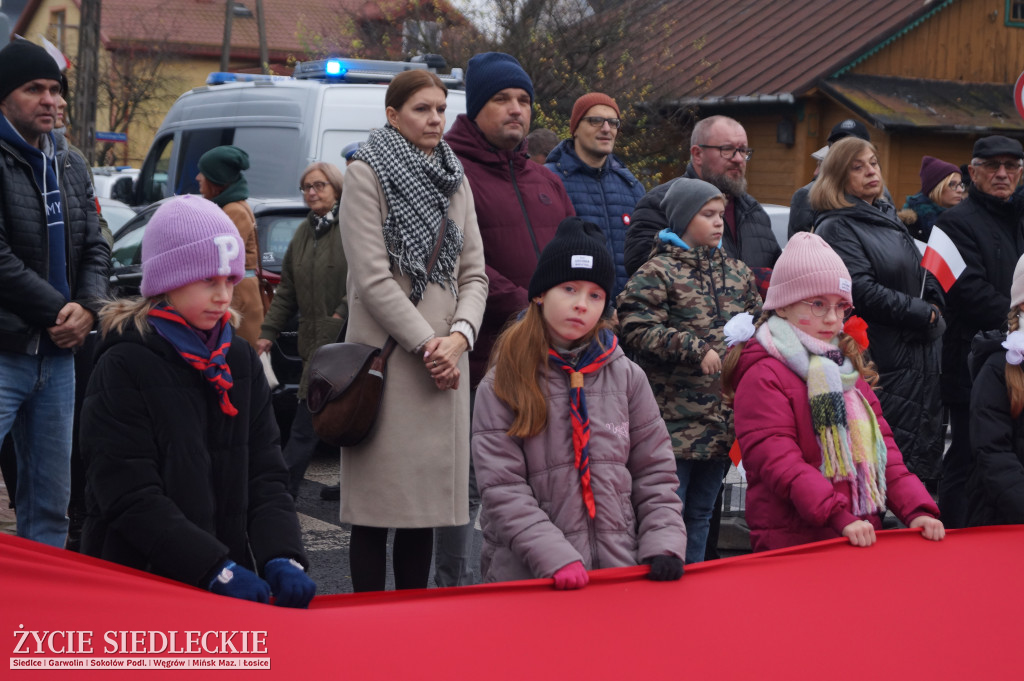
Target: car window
(276, 232)
(127, 249)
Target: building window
(1015, 13)
(58, 22)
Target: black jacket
(756, 247)
(28, 303)
(990, 237)
(173, 485)
(995, 489)
(887, 282)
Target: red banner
(905, 608)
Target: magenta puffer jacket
(789, 500)
(533, 516)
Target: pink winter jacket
(789, 501)
(533, 517)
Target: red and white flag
(942, 259)
(62, 62)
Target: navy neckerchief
(592, 359)
(44, 172)
(213, 365)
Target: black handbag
(346, 381)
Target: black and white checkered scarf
(418, 189)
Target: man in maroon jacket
(518, 206)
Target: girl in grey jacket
(573, 460)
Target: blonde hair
(1013, 373)
(829, 190)
(847, 345)
(935, 195)
(519, 357)
(117, 315)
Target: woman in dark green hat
(221, 181)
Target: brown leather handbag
(346, 381)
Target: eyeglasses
(956, 186)
(994, 166)
(315, 186)
(599, 121)
(820, 308)
(728, 151)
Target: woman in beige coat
(221, 181)
(412, 471)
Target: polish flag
(942, 259)
(62, 62)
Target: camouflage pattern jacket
(671, 314)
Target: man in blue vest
(602, 189)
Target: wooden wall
(967, 41)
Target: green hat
(223, 165)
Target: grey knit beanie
(684, 199)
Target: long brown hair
(829, 190)
(519, 356)
(847, 345)
(1014, 374)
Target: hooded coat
(885, 266)
(518, 207)
(995, 489)
(605, 196)
(173, 485)
(789, 501)
(671, 314)
(533, 516)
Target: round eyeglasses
(819, 308)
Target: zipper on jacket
(522, 207)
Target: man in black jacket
(718, 155)
(987, 230)
(53, 270)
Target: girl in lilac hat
(184, 475)
(820, 459)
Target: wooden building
(926, 77)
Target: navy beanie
(579, 252)
(492, 72)
(23, 61)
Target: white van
(283, 123)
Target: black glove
(666, 568)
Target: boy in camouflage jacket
(671, 316)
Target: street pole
(225, 49)
(261, 26)
(87, 85)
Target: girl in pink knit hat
(184, 475)
(820, 459)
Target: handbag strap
(391, 343)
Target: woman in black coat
(899, 300)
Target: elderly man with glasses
(987, 229)
(718, 155)
(601, 188)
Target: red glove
(572, 576)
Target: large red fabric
(903, 609)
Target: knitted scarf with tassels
(852, 447)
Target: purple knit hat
(807, 268)
(189, 239)
(933, 171)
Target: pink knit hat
(189, 239)
(807, 268)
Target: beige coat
(413, 469)
(246, 299)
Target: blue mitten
(291, 585)
(235, 581)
